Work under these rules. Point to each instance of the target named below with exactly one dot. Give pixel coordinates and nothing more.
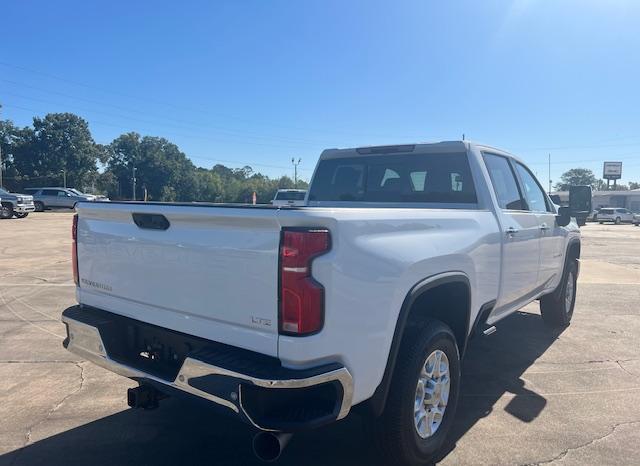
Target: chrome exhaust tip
(268, 446)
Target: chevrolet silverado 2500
(289, 318)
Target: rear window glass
(290, 196)
(438, 178)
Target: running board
(489, 331)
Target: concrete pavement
(530, 396)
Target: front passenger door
(521, 237)
(551, 236)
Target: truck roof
(419, 148)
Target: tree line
(60, 145)
(584, 176)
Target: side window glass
(504, 182)
(389, 175)
(418, 180)
(532, 191)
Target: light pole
(549, 173)
(64, 177)
(133, 196)
(295, 171)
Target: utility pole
(295, 171)
(64, 177)
(549, 173)
(133, 194)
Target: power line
(180, 135)
(172, 105)
(242, 136)
(594, 146)
(199, 157)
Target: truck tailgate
(212, 273)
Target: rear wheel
(557, 308)
(20, 214)
(39, 206)
(423, 396)
(6, 210)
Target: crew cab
(364, 299)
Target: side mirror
(564, 216)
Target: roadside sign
(612, 170)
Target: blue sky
(257, 82)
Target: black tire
(556, 308)
(20, 214)
(6, 210)
(395, 431)
(601, 223)
(39, 206)
(618, 221)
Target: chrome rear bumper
(86, 341)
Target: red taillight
(301, 297)
(74, 249)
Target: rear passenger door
(551, 237)
(50, 197)
(520, 237)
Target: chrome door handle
(544, 227)
(511, 231)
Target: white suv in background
(615, 215)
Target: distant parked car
(615, 215)
(46, 198)
(292, 197)
(593, 216)
(95, 197)
(12, 204)
(636, 219)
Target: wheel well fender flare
(375, 405)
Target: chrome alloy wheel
(432, 394)
(569, 292)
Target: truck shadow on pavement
(185, 433)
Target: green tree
(576, 176)
(59, 142)
(161, 168)
(634, 185)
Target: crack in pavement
(619, 363)
(56, 407)
(564, 453)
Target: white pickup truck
(290, 318)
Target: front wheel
(557, 308)
(6, 211)
(20, 214)
(618, 221)
(423, 396)
(39, 206)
